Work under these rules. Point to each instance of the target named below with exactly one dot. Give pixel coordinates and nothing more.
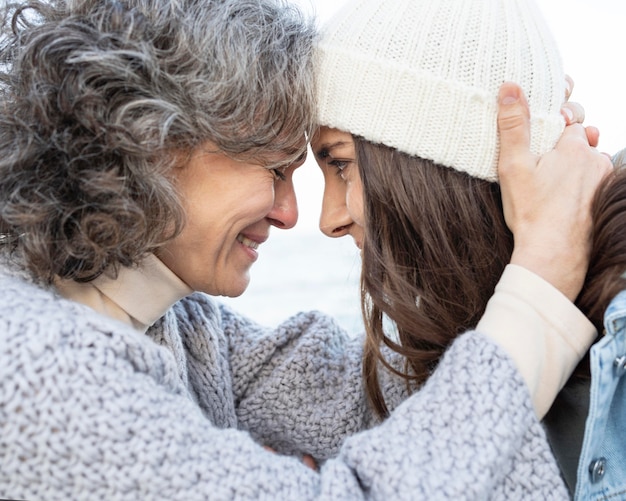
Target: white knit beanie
(422, 76)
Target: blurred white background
(300, 269)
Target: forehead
(324, 134)
(326, 140)
(264, 156)
(288, 156)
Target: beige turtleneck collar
(138, 296)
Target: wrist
(564, 270)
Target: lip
(250, 243)
(256, 238)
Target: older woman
(146, 149)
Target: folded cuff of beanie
(438, 119)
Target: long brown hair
(436, 244)
(607, 265)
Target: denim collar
(615, 315)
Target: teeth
(247, 242)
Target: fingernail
(509, 99)
(568, 114)
(568, 86)
(509, 96)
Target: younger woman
(146, 149)
(407, 94)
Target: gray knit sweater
(91, 409)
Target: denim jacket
(602, 465)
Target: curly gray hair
(99, 97)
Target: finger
(593, 135)
(569, 87)
(575, 134)
(584, 136)
(575, 139)
(513, 126)
(573, 113)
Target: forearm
(541, 330)
(308, 394)
(467, 434)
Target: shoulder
(41, 332)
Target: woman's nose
(284, 213)
(335, 221)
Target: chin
(235, 289)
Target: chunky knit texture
(90, 409)
(423, 76)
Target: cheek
(334, 190)
(270, 193)
(254, 199)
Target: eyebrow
(325, 148)
(280, 165)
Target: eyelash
(340, 165)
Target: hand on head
(547, 200)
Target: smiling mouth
(247, 242)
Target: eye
(300, 160)
(340, 165)
(279, 174)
